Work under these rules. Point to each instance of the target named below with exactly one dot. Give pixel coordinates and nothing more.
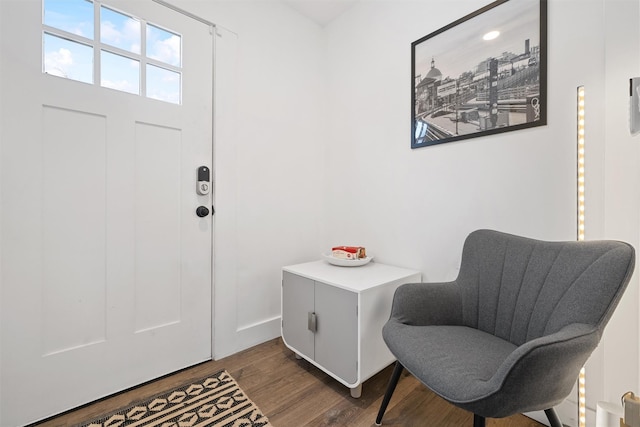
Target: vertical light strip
(582, 403)
(580, 163)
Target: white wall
(269, 133)
(295, 178)
(415, 207)
(424, 202)
(622, 190)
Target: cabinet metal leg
(356, 392)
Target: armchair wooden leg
(393, 382)
(478, 421)
(553, 418)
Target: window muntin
(80, 34)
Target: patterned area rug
(214, 401)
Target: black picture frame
(464, 86)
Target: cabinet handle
(312, 324)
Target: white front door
(106, 267)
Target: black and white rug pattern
(214, 401)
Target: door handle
(312, 322)
(202, 211)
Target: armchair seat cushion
(456, 362)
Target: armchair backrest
(520, 289)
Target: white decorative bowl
(347, 262)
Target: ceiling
(321, 11)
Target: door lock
(204, 181)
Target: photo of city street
(481, 75)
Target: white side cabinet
(333, 316)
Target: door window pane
(163, 84)
(73, 16)
(71, 41)
(163, 45)
(119, 72)
(65, 58)
(119, 30)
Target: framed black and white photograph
(480, 75)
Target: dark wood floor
(294, 393)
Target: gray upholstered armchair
(511, 333)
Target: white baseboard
(257, 333)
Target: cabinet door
(337, 331)
(297, 303)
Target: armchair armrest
(423, 304)
(540, 373)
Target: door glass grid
(80, 34)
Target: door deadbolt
(202, 211)
(204, 181)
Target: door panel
(337, 335)
(158, 261)
(74, 270)
(297, 303)
(106, 269)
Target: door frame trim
(212, 30)
(186, 13)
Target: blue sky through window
(119, 30)
(120, 72)
(163, 45)
(73, 16)
(163, 84)
(65, 58)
